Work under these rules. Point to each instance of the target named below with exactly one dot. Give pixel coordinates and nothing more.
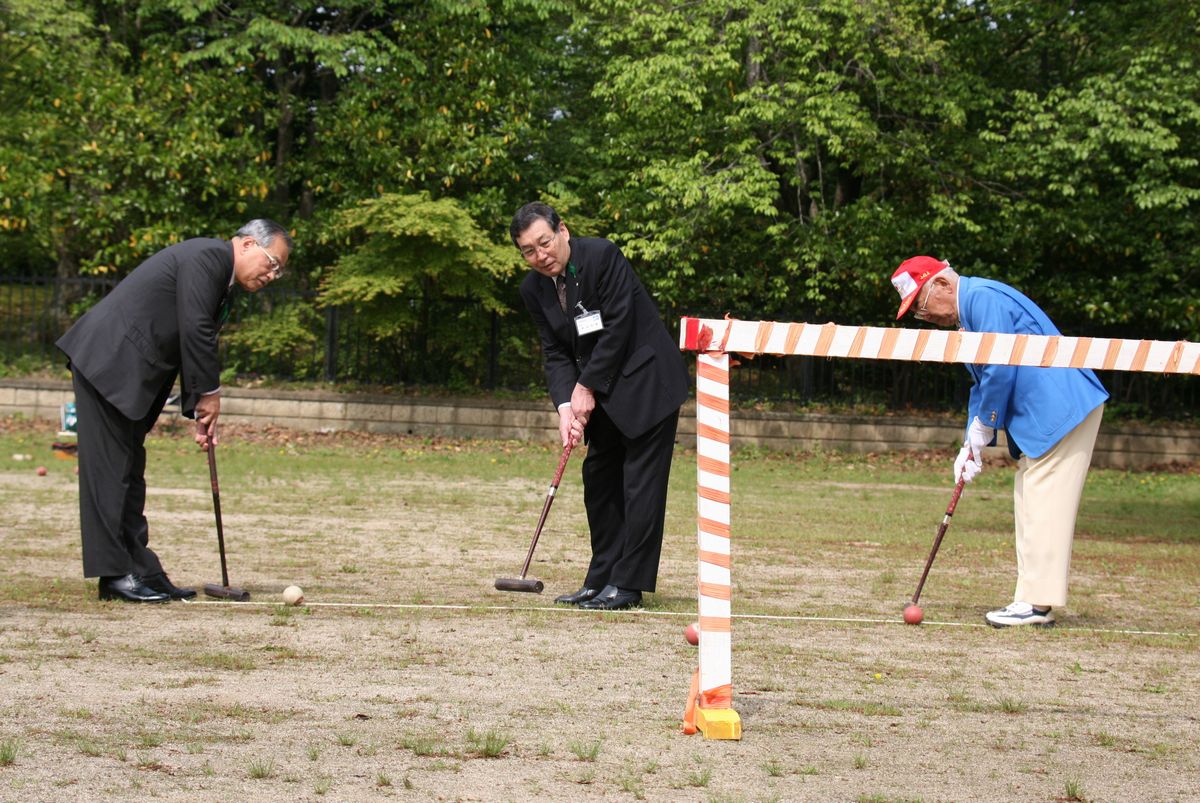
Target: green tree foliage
(766, 158)
(781, 158)
(410, 247)
(285, 338)
(776, 151)
(414, 268)
(458, 116)
(366, 97)
(1090, 122)
(109, 152)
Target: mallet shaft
(937, 542)
(562, 465)
(216, 494)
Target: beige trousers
(1046, 495)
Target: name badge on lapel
(587, 322)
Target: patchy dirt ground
(405, 676)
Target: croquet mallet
(937, 542)
(521, 583)
(223, 591)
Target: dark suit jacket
(159, 322)
(633, 365)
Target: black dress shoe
(580, 596)
(612, 598)
(129, 588)
(163, 585)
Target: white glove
(969, 462)
(978, 436)
(965, 468)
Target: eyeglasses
(530, 251)
(921, 313)
(276, 266)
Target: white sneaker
(1020, 613)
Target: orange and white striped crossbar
(939, 345)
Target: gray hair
(264, 232)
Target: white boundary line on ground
(643, 612)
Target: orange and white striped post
(710, 701)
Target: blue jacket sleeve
(989, 311)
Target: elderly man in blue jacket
(1050, 415)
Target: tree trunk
(286, 82)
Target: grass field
(406, 676)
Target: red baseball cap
(911, 276)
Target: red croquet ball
(41, 470)
(913, 614)
(692, 633)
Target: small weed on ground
(585, 751)
(262, 768)
(488, 745)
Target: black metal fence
(281, 333)
(471, 347)
(34, 311)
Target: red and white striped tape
(938, 345)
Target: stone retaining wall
(1119, 446)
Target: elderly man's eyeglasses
(276, 265)
(530, 251)
(922, 313)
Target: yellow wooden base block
(719, 723)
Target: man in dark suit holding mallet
(159, 323)
(616, 374)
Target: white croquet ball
(293, 595)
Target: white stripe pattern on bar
(939, 345)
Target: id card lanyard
(587, 321)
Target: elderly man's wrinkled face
(937, 302)
(256, 265)
(546, 250)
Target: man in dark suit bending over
(618, 381)
(125, 353)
